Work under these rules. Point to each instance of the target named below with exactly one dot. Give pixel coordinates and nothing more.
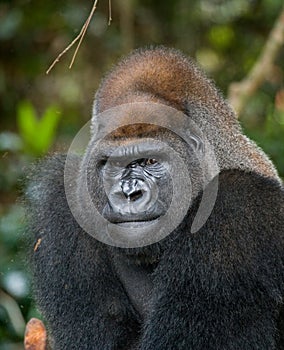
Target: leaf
(37, 134)
(47, 128)
(26, 119)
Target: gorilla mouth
(135, 219)
(136, 223)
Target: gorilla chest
(137, 281)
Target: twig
(240, 92)
(79, 37)
(109, 12)
(84, 29)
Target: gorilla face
(133, 191)
(131, 186)
(137, 184)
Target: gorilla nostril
(134, 196)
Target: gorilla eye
(151, 161)
(102, 163)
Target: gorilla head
(182, 126)
(144, 165)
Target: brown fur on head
(158, 75)
(166, 76)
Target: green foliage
(11, 164)
(221, 37)
(270, 135)
(14, 279)
(35, 138)
(37, 133)
(273, 136)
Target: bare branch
(79, 37)
(84, 29)
(240, 92)
(109, 12)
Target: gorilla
(165, 229)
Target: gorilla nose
(130, 199)
(132, 189)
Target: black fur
(220, 288)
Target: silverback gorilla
(167, 231)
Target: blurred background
(41, 113)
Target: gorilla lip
(136, 223)
(130, 221)
(144, 217)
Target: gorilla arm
(222, 287)
(74, 282)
